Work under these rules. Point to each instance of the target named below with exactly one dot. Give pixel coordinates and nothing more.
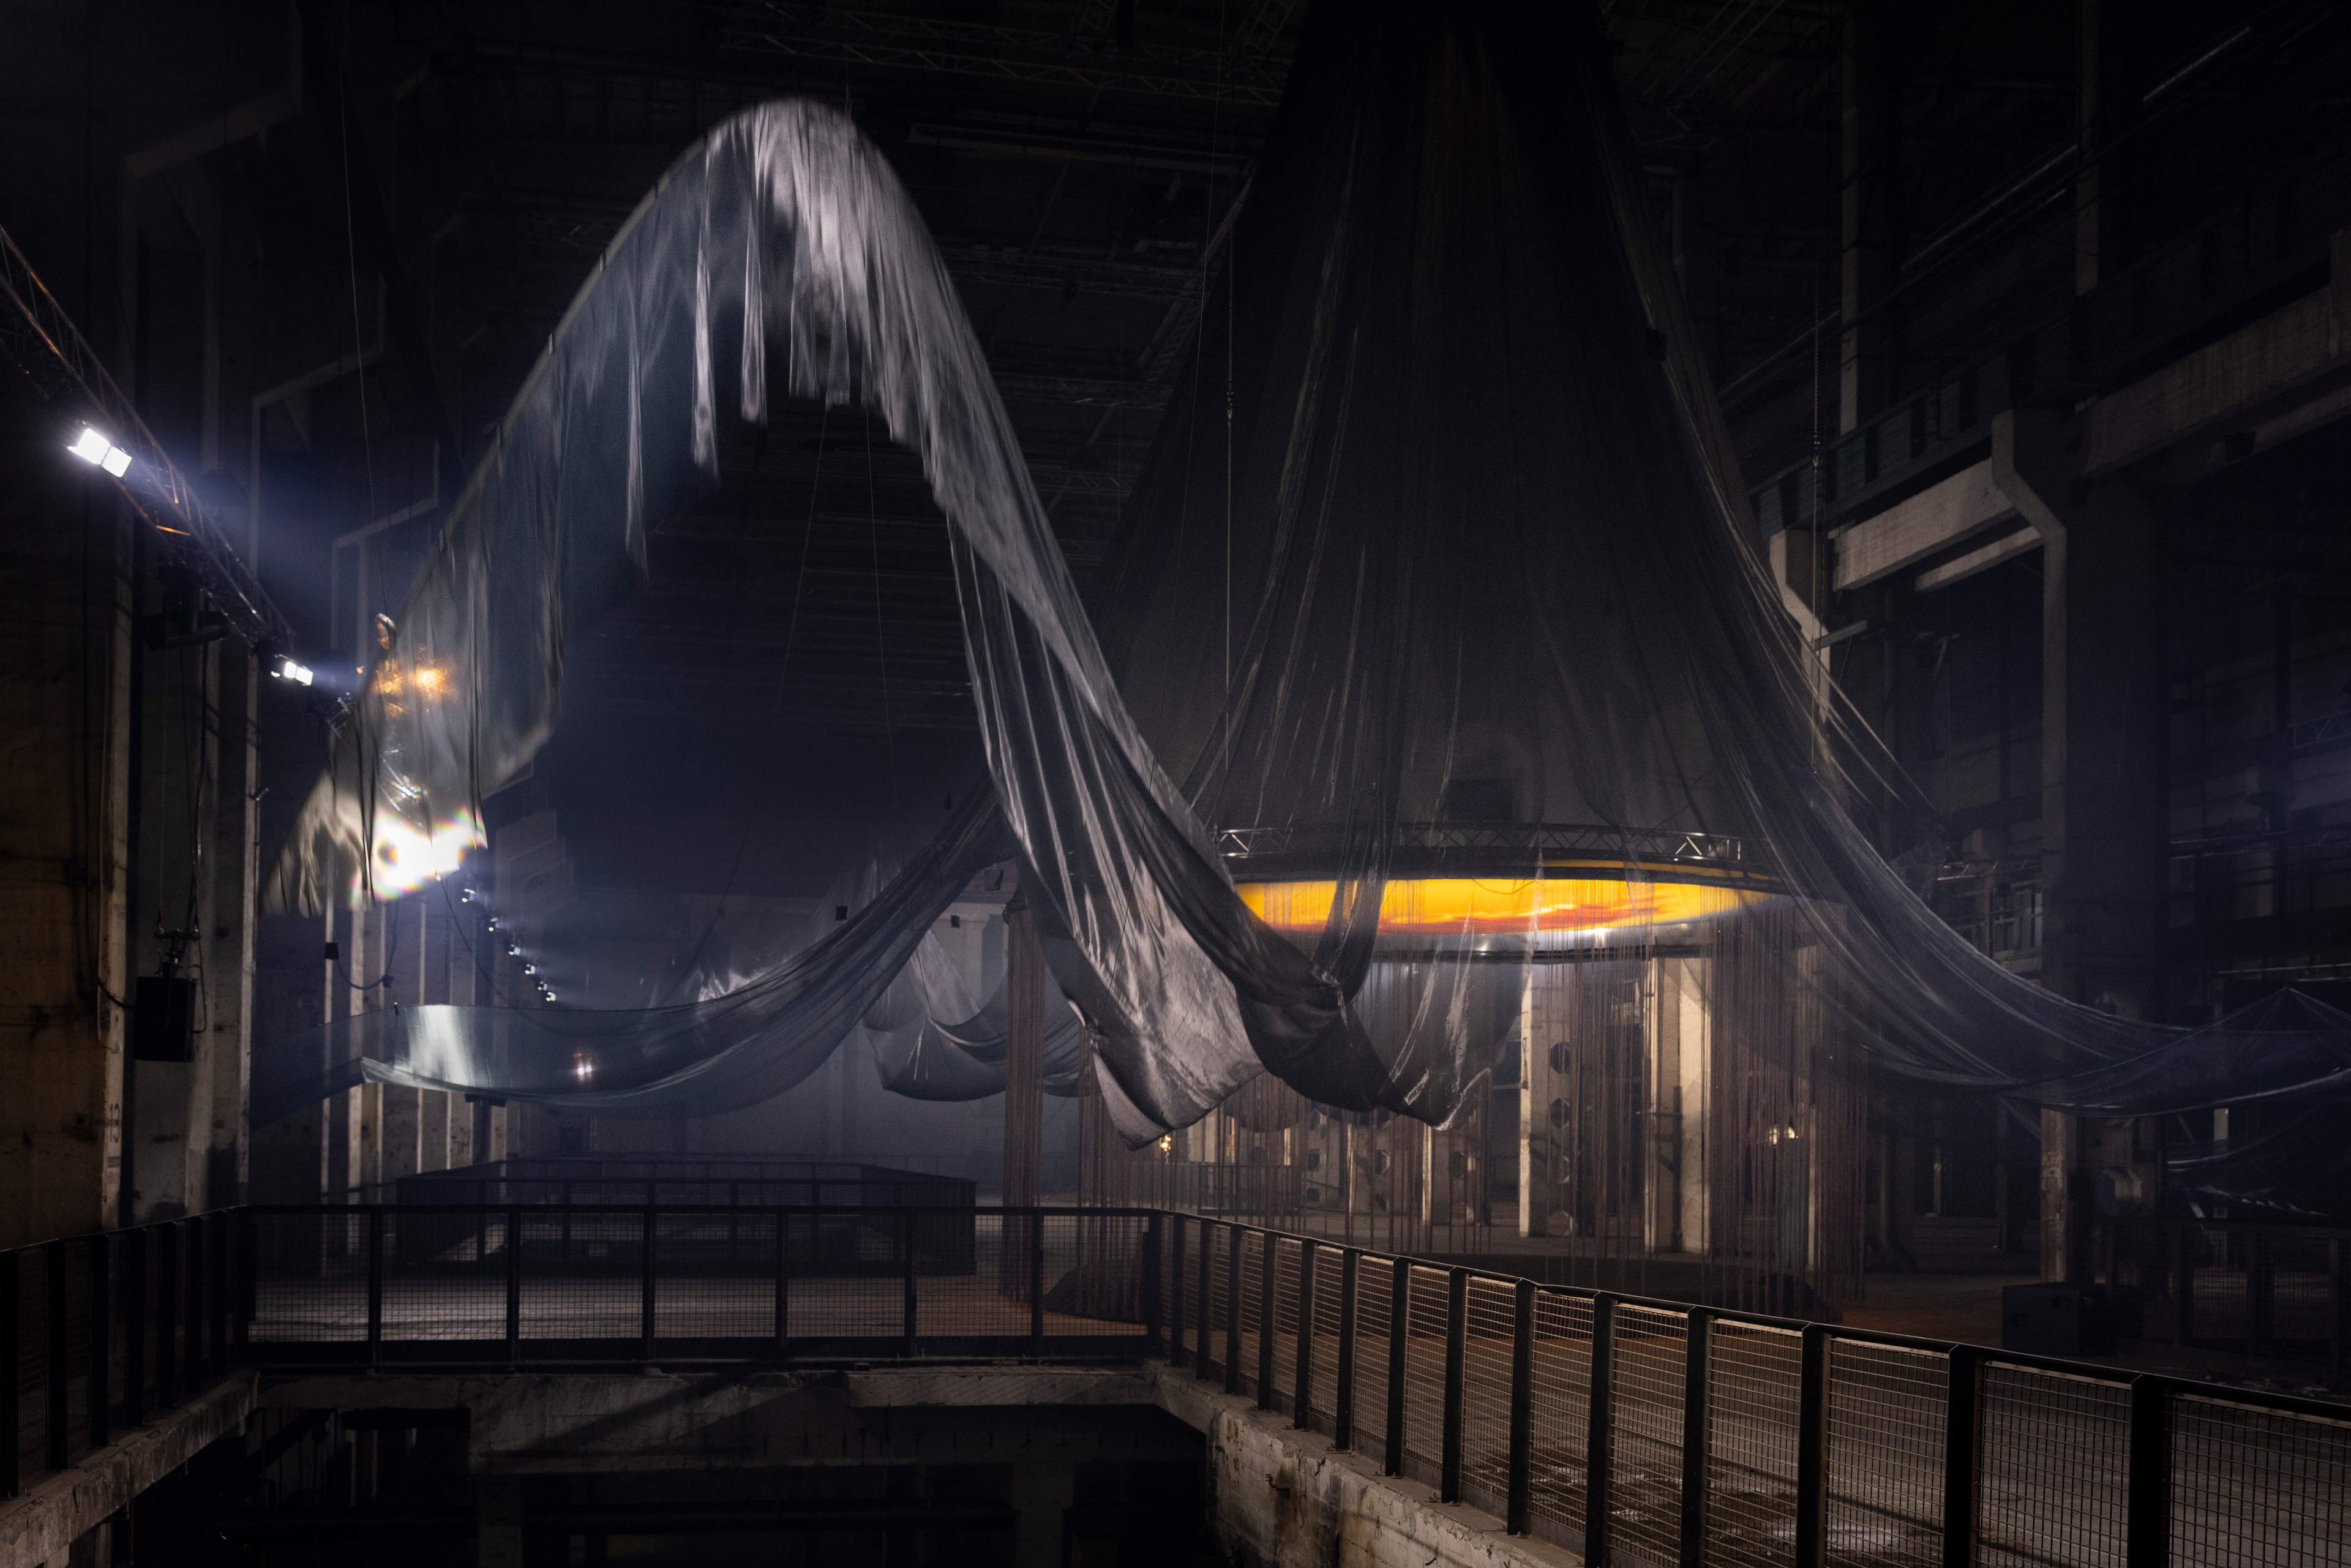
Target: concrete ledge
(1287, 1498)
(45, 1521)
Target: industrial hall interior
(1209, 783)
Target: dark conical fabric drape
(1442, 532)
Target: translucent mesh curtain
(1476, 472)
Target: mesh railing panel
(1645, 1489)
(2258, 1488)
(1489, 1337)
(309, 1278)
(1286, 1262)
(1561, 1404)
(1424, 1382)
(1753, 1382)
(581, 1275)
(1322, 1392)
(2054, 1469)
(1373, 1288)
(1886, 1408)
(980, 1297)
(1252, 1297)
(445, 1276)
(1218, 1264)
(714, 1276)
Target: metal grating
(1252, 1296)
(1886, 1408)
(1373, 1337)
(1424, 1382)
(1216, 1261)
(1561, 1405)
(2258, 1488)
(1322, 1397)
(2055, 1469)
(1286, 1261)
(1754, 1377)
(1645, 1488)
(1491, 1334)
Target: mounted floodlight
(287, 669)
(464, 895)
(513, 951)
(531, 969)
(95, 449)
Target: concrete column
(171, 1102)
(405, 974)
(64, 657)
(2104, 732)
(1535, 1174)
(1869, 224)
(1676, 1181)
(230, 937)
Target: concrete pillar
(230, 938)
(2104, 733)
(1679, 1083)
(1870, 215)
(403, 975)
(170, 1108)
(64, 655)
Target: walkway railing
(1616, 1425)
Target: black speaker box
(164, 1019)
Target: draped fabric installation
(1468, 549)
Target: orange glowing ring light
(1473, 880)
(1482, 906)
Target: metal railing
(1616, 1425)
(2265, 1291)
(98, 1333)
(669, 1179)
(1660, 1433)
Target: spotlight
(532, 969)
(282, 667)
(95, 449)
(513, 951)
(464, 895)
(548, 995)
(494, 923)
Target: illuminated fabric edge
(1491, 905)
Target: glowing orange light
(1438, 907)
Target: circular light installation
(1485, 907)
(1493, 889)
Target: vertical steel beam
(2147, 1510)
(1457, 1335)
(1962, 1457)
(1813, 1448)
(1302, 1395)
(1523, 1409)
(1600, 1434)
(1342, 1413)
(1399, 1330)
